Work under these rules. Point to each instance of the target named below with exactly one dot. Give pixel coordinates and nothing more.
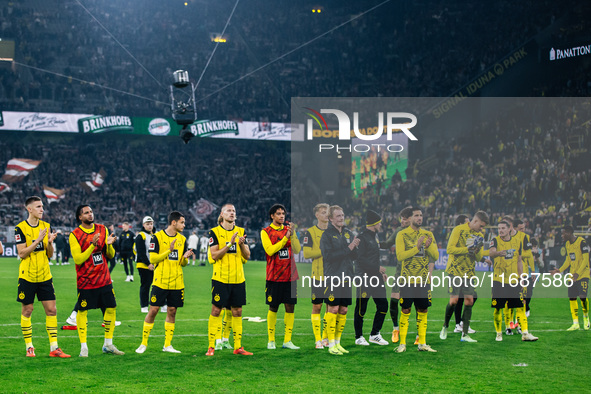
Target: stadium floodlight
(184, 111)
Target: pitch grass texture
(559, 361)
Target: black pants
(65, 252)
(146, 277)
(112, 264)
(127, 258)
(459, 306)
(378, 319)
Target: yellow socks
(498, 320)
(340, 327)
(403, 327)
(82, 324)
(227, 324)
(289, 320)
(508, 316)
(27, 331)
(109, 323)
(324, 329)
(146, 333)
(316, 326)
(331, 325)
(214, 326)
(168, 333)
(51, 327)
(271, 322)
(422, 324)
(585, 306)
(521, 319)
(574, 311)
(237, 326)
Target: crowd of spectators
(534, 165)
(399, 49)
(150, 177)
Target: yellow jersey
(414, 262)
(527, 254)
(460, 262)
(35, 267)
(577, 258)
(506, 265)
(228, 269)
(168, 271)
(311, 241)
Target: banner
(210, 128)
(101, 124)
(17, 169)
(441, 263)
(97, 181)
(4, 187)
(9, 250)
(52, 194)
(202, 209)
(40, 121)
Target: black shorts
(161, 297)
(418, 295)
(460, 287)
(227, 295)
(341, 296)
(103, 297)
(579, 289)
(503, 294)
(26, 291)
(317, 293)
(372, 292)
(277, 293)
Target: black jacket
(126, 240)
(368, 254)
(336, 255)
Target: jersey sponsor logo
(586, 249)
(39, 247)
(152, 246)
(283, 254)
(421, 252)
(305, 240)
(510, 254)
(174, 255)
(97, 258)
(572, 256)
(211, 240)
(17, 238)
(232, 249)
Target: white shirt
(204, 243)
(193, 241)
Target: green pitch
(557, 362)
